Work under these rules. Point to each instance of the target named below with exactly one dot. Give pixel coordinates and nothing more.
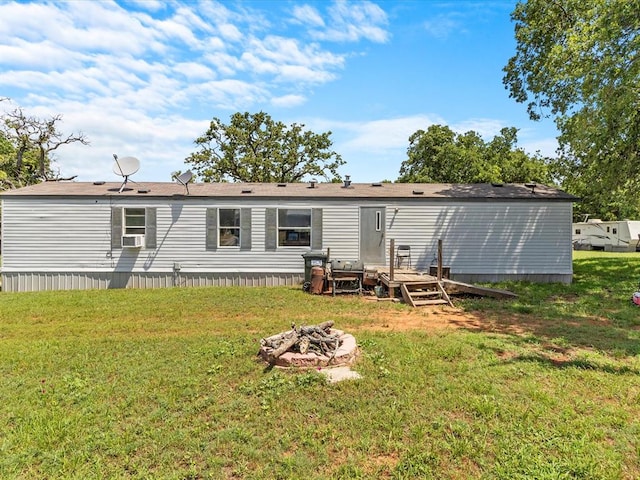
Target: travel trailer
(612, 236)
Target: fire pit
(309, 346)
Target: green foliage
(577, 60)
(255, 148)
(439, 155)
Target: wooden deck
(412, 284)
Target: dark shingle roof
(294, 190)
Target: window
(577, 231)
(133, 225)
(615, 231)
(608, 229)
(294, 227)
(134, 221)
(229, 227)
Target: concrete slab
(338, 374)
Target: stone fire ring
(345, 355)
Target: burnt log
(312, 338)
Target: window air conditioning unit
(132, 241)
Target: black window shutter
(245, 229)
(116, 227)
(212, 229)
(316, 229)
(150, 229)
(271, 229)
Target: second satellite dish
(125, 167)
(184, 179)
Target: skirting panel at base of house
(38, 281)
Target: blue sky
(143, 78)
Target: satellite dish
(184, 179)
(125, 167)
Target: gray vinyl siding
(64, 235)
(54, 243)
(511, 238)
(341, 230)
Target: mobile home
(77, 235)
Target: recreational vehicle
(612, 236)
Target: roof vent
(247, 190)
(418, 192)
(532, 186)
(282, 184)
(144, 190)
(497, 184)
(312, 183)
(377, 184)
(347, 181)
(99, 182)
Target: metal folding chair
(403, 254)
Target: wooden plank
(444, 293)
(426, 293)
(458, 287)
(406, 295)
(439, 301)
(419, 285)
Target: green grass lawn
(166, 384)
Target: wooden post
(439, 274)
(392, 248)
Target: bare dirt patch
(424, 318)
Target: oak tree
(578, 61)
(26, 146)
(255, 148)
(440, 155)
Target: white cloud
(42, 55)
(444, 25)
(150, 5)
(230, 32)
(353, 21)
(289, 61)
(194, 71)
(485, 127)
(385, 134)
(308, 15)
(288, 101)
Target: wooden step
(420, 284)
(424, 293)
(416, 299)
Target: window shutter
(150, 230)
(271, 229)
(316, 229)
(116, 227)
(212, 229)
(245, 229)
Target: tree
(26, 145)
(578, 61)
(439, 155)
(254, 148)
